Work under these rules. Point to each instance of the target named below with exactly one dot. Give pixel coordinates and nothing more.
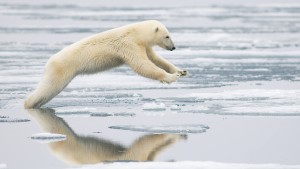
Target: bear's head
(162, 36)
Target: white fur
(131, 44)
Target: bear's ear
(156, 29)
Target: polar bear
(131, 44)
(78, 149)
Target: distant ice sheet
(190, 128)
(187, 165)
(48, 137)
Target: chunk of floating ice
(175, 107)
(86, 114)
(48, 137)
(101, 114)
(190, 128)
(13, 120)
(154, 106)
(121, 95)
(186, 164)
(124, 114)
(137, 95)
(75, 112)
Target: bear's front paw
(183, 72)
(169, 78)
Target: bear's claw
(183, 73)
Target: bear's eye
(167, 37)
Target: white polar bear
(131, 44)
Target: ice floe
(124, 114)
(89, 112)
(189, 128)
(104, 114)
(187, 165)
(154, 106)
(101, 114)
(48, 137)
(85, 112)
(13, 120)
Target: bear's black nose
(173, 48)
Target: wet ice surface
(243, 82)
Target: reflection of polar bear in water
(90, 150)
(130, 44)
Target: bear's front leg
(164, 64)
(146, 68)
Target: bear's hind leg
(51, 85)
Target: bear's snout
(173, 48)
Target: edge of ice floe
(186, 164)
